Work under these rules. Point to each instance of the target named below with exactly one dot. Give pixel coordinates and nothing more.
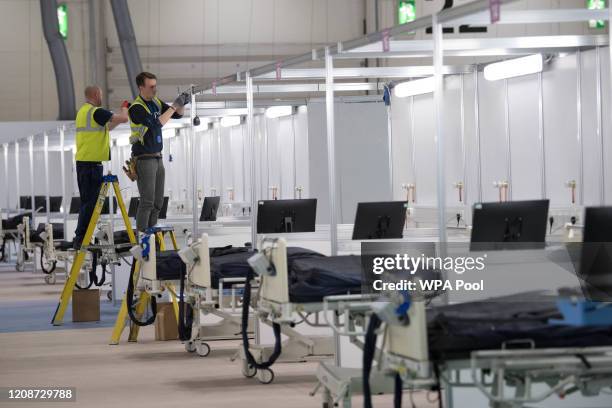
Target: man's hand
(182, 100)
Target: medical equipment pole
(602, 170)
(463, 142)
(46, 161)
(17, 181)
(6, 177)
(31, 158)
(579, 126)
(541, 135)
(250, 133)
(390, 147)
(294, 157)
(331, 153)
(111, 206)
(508, 143)
(413, 143)
(65, 203)
(438, 107)
(194, 170)
(477, 129)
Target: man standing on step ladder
(148, 114)
(93, 125)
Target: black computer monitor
(283, 216)
(596, 254)
(75, 205)
(164, 210)
(133, 208)
(209, 208)
(509, 225)
(25, 202)
(105, 209)
(40, 202)
(380, 220)
(55, 203)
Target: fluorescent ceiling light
(229, 121)
(531, 64)
(278, 111)
(416, 87)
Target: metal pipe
(579, 126)
(417, 24)
(93, 44)
(294, 157)
(31, 157)
(390, 147)
(194, 170)
(438, 108)
(331, 151)
(127, 40)
(6, 176)
(65, 201)
(463, 143)
(46, 162)
(18, 181)
(508, 142)
(267, 130)
(541, 135)
(250, 118)
(243, 165)
(413, 141)
(602, 185)
(60, 59)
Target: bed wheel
(20, 266)
(265, 376)
(190, 346)
(248, 370)
(109, 295)
(203, 349)
(50, 279)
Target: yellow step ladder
(107, 181)
(144, 298)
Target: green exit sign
(596, 5)
(406, 11)
(62, 20)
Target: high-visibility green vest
(138, 131)
(92, 140)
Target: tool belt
(130, 165)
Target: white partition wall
(509, 129)
(362, 156)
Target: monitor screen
(509, 225)
(25, 202)
(209, 208)
(164, 210)
(596, 254)
(380, 220)
(75, 205)
(133, 207)
(286, 216)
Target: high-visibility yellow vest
(138, 131)
(92, 140)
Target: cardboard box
(86, 305)
(165, 322)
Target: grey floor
(145, 374)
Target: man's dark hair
(140, 78)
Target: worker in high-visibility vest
(148, 114)
(93, 124)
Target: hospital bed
(9, 232)
(291, 292)
(508, 344)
